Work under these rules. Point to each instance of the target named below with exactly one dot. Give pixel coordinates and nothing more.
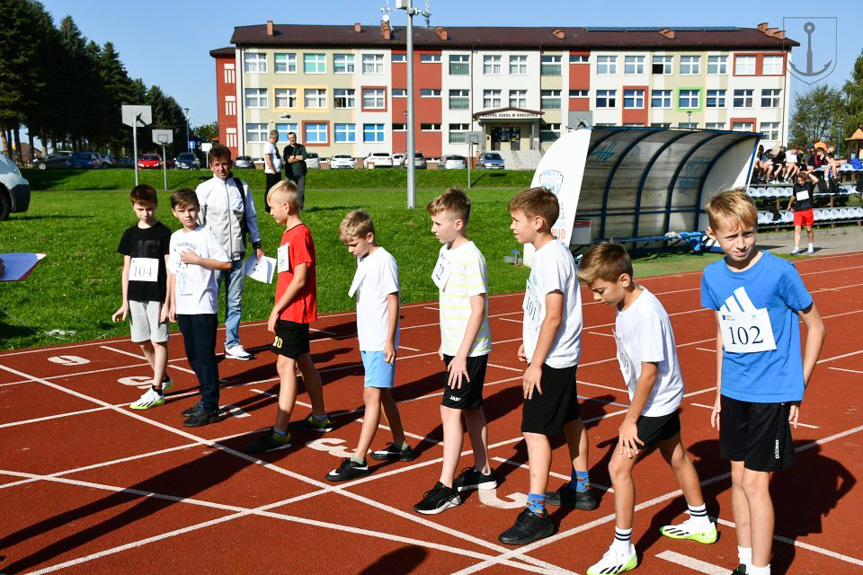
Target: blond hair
(536, 202)
(732, 206)
(357, 224)
(606, 261)
(453, 201)
(285, 191)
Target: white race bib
(531, 307)
(283, 258)
(144, 270)
(359, 276)
(442, 271)
(746, 331)
(626, 367)
(802, 195)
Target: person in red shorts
(801, 200)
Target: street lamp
(186, 110)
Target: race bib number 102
(746, 331)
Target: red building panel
(226, 85)
(636, 115)
(427, 76)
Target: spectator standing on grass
(295, 166)
(228, 210)
(272, 164)
(801, 201)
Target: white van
(14, 189)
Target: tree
(853, 90)
(205, 133)
(818, 115)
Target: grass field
(72, 293)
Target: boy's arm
(815, 332)
(547, 331)
(390, 345)
(171, 312)
(252, 222)
(300, 275)
(628, 432)
(123, 312)
(458, 366)
(717, 407)
(190, 257)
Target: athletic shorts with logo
(291, 339)
(469, 395)
(758, 434)
(547, 412)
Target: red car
(149, 162)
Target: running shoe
(470, 479)
(188, 412)
(692, 531)
(150, 399)
(615, 561)
(528, 527)
(238, 352)
(348, 470)
(566, 496)
(795, 251)
(437, 500)
(393, 453)
(311, 423)
(203, 417)
(269, 441)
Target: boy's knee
(618, 469)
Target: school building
(343, 89)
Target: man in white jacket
(228, 210)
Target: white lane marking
(489, 498)
(843, 356)
(137, 356)
(50, 417)
(601, 333)
(600, 386)
(707, 349)
(692, 563)
(407, 348)
(845, 369)
(498, 366)
(68, 360)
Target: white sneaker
(237, 352)
(615, 561)
(149, 400)
(795, 251)
(810, 250)
(167, 384)
(692, 530)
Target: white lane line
(601, 333)
(707, 349)
(843, 356)
(692, 563)
(806, 425)
(407, 348)
(50, 417)
(550, 473)
(845, 369)
(600, 386)
(700, 391)
(136, 356)
(518, 369)
(511, 320)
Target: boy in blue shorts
(762, 372)
(551, 332)
(647, 355)
(376, 286)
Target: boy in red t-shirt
(295, 308)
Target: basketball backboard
(143, 114)
(163, 137)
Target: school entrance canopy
(622, 182)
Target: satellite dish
(385, 18)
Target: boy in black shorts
(551, 332)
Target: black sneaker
(392, 453)
(739, 570)
(311, 423)
(203, 417)
(189, 412)
(528, 527)
(270, 441)
(471, 479)
(348, 470)
(437, 500)
(569, 497)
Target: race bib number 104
(746, 331)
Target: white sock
(753, 570)
(811, 245)
(622, 539)
(744, 555)
(699, 515)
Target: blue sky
(167, 43)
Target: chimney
(763, 26)
(559, 34)
(269, 27)
(667, 33)
(771, 31)
(385, 30)
(442, 33)
(358, 28)
(780, 35)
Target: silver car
(489, 161)
(244, 162)
(452, 162)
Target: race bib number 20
(746, 331)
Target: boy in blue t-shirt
(758, 298)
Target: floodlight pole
(135, 147)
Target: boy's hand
(457, 369)
(260, 254)
(172, 314)
(532, 376)
(121, 314)
(714, 415)
(271, 322)
(794, 413)
(389, 352)
(521, 355)
(165, 313)
(440, 352)
(628, 440)
(189, 257)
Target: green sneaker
(311, 423)
(270, 441)
(149, 400)
(689, 530)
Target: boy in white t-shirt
(462, 280)
(376, 287)
(648, 360)
(195, 256)
(551, 335)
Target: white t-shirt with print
(195, 288)
(553, 270)
(271, 150)
(376, 277)
(643, 333)
(460, 274)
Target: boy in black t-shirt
(145, 248)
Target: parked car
(419, 161)
(54, 160)
(313, 161)
(452, 162)
(187, 161)
(150, 162)
(378, 160)
(85, 160)
(489, 161)
(398, 160)
(124, 163)
(107, 161)
(244, 163)
(14, 189)
(342, 162)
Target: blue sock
(282, 433)
(320, 417)
(580, 481)
(536, 503)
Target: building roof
(546, 38)
(228, 51)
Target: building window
(518, 65)
(400, 127)
(549, 65)
(688, 125)
(315, 63)
(255, 63)
(770, 130)
(633, 65)
(491, 65)
(400, 93)
(374, 99)
(633, 99)
(315, 134)
(606, 98)
(284, 129)
(549, 99)
(606, 65)
(491, 99)
(715, 125)
(743, 98)
(518, 98)
(459, 65)
(256, 97)
(770, 98)
(343, 63)
(690, 65)
(459, 99)
(286, 63)
(429, 93)
(715, 98)
(744, 65)
(458, 133)
(231, 105)
(286, 97)
(230, 73)
(660, 125)
(579, 59)
(256, 133)
(373, 63)
(772, 65)
(429, 127)
(717, 65)
(344, 98)
(742, 126)
(400, 58)
(549, 132)
(662, 65)
(660, 99)
(345, 133)
(429, 58)
(316, 98)
(688, 99)
(579, 93)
